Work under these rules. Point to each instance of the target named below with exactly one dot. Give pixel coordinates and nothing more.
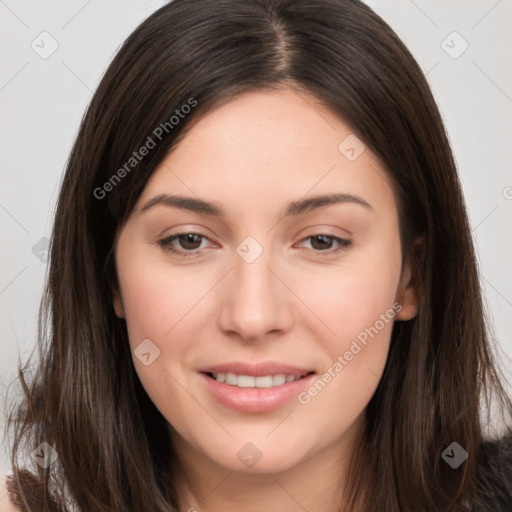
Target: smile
(250, 381)
(248, 393)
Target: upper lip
(256, 370)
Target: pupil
(190, 239)
(324, 241)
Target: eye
(188, 243)
(323, 243)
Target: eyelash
(166, 244)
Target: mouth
(252, 381)
(255, 389)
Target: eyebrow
(294, 208)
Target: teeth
(263, 382)
(249, 381)
(278, 380)
(245, 381)
(231, 379)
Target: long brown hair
(85, 399)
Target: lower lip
(255, 400)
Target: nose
(255, 301)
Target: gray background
(43, 100)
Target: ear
(408, 289)
(118, 304)
(117, 299)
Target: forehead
(270, 146)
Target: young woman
(262, 291)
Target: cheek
(352, 296)
(357, 307)
(164, 306)
(157, 300)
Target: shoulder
(5, 502)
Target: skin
(5, 504)
(252, 156)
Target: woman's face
(292, 266)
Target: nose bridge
(256, 301)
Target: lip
(255, 400)
(257, 370)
